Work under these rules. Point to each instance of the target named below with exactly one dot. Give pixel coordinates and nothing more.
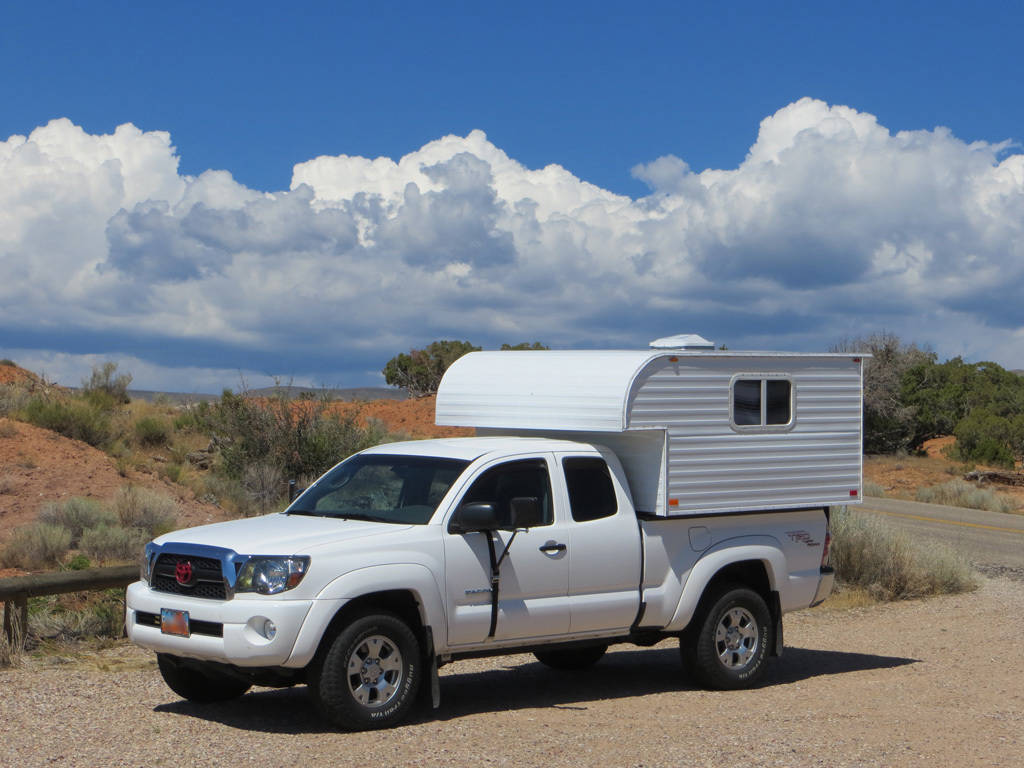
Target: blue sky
(763, 174)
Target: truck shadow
(621, 674)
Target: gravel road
(936, 682)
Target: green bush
(79, 563)
(77, 515)
(107, 543)
(77, 419)
(151, 513)
(105, 386)
(35, 547)
(7, 361)
(152, 431)
(299, 438)
(871, 554)
(959, 493)
(419, 372)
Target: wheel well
(397, 601)
(750, 573)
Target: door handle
(552, 547)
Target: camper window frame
(763, 427)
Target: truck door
(603, 546)
(534, 576)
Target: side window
(514, 479)
(762, 403)
(591, 493)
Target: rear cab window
(591, 491)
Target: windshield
(386, 489)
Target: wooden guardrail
(15, 592)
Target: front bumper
(825, 584)
(239, 622)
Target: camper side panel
(721, 459)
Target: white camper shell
(698, 431)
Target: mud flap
(431, 661)
(776, 610)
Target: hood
(279, 534)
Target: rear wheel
(571, 658)
(729, 643)
(369, 674)
(199, 681)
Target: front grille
(207, 579)
(195, 626)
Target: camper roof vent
(683, 341)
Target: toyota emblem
(183, 573)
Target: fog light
(269, 629)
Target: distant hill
(347, 395)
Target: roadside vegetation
(872, 556)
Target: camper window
(762, 404)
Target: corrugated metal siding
(712, 467)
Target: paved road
(991, 540)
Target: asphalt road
(993, 541)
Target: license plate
(174, 622)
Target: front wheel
(369, 675)
(728, 646)
(199, 681)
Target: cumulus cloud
(831, 225)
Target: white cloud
(832, 225)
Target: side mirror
(475, 516)
(525, 512)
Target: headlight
(146, 565)
(270, 575)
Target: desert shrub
(79, 563)
(959, 493)
(299, 438)
(151, 513)
(77, 514)
(37, 547)
(55, 618)
(107, 543)
(173, 471)
(873, 489)
(264, 485)
(7, 361)
(889, 564)
(13, 398)
(227, 493)
(74, 418)
(104, 385)
(152, 431)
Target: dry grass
(890, 565)
(959, 493)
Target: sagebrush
(959, 493)
(871, 554)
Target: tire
(571, 658)
(199, 681)
(728, 645)
(369, 674)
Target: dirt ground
(901, 476)
(935, 682)
(37, 465)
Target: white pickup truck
(410, 555)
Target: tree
(524, 346)
(889, 422)
(104, 384)
(419, 372)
